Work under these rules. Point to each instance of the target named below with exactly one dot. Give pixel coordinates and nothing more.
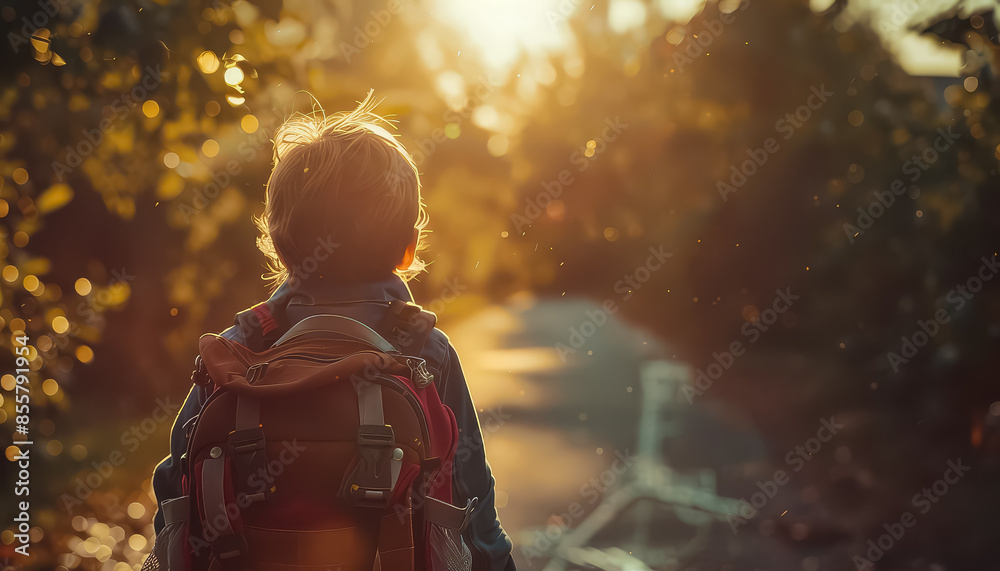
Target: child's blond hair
(343, 179)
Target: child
(342, 226)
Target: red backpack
(331, 450)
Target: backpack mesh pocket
(169, 546)
(448, 550)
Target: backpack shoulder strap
(337, 324)
(409, 326)
(261, 326)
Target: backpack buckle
(374, 435)
(369, 484)
(246, 440)
(248, 449)
(231, 551)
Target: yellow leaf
(171, 185)
(78, 102)
(36, 266)
(54, 198)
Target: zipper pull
(419, 374)
(189, 426)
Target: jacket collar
(320, 290)
(262, 324)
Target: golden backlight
(499, 32)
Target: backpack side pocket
(448, 550)
(170, 546)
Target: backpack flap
(292, 367)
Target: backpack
(331, 450)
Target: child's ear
(410, 253)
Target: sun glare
(501, 31)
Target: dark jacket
(490, 547)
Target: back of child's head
(340, 179)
